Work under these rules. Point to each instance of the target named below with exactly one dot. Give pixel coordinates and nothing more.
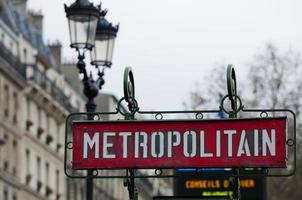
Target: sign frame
(191, 115)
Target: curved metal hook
(232, 86)
(129, 89)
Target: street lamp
(82, 20)
(101, 54)
(88, 28)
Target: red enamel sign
(175, 144)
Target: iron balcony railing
(50, 87)
(12, 60)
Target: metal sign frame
(237, 109)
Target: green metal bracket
(129, 94)
(232, 86)
(232, 95)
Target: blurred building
(37, 92)
(34, 102)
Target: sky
(172, 44)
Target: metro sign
(176, 144)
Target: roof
(21, 24)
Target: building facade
(34, 102)
(36, 96)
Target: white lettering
(172, 143)
(256, 143)
(243, 145)
(267, 142)
(91, 142)
(136, 144)
(125, 136)
(160, 144)
(230, 134)
(142, 144)
(186, 144)
(202, 147)
(169, 144)
(177, 140)
(218, 149)
(107, 145)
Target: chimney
(1, 4)
(20, 5)
(56, 51)
(36, 19)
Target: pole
(89, 186)
(90, 91)
(90, 107)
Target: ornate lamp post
(88, 29)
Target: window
(59, 144)
(57, 182)
(5, 195)
(27, 152)
(6, 101)
(29, 123)
(25, 56)
(39, 168)
(49, 191)
(15, 158)
(40, 130)
(47, 173)
(6, 163)
(39, 117)
(16, 107)
(39, 183)
(27, 167)
(15, 197)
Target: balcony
(12, 60)
(49, 87)
(17, 68)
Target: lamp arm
(90, 86)
(100, 81)
(81, 65)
